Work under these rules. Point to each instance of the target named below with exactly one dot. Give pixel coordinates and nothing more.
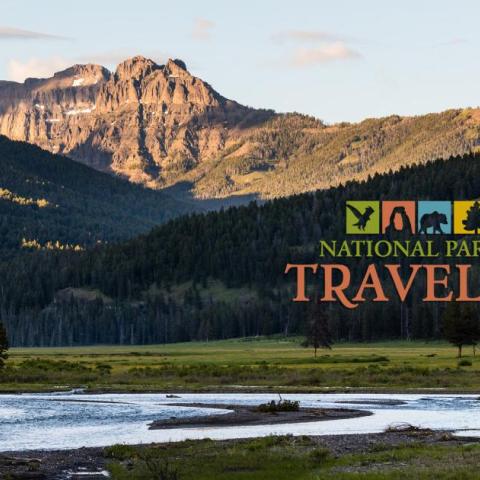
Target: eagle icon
(362, 218)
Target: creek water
(73, 420)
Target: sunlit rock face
(150, 123)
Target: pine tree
(318, 333)
(461, 326)
(3, 345)
(472, 222)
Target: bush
(143, 464)
(43, 365)
(464, 363)
(319, 455)
(120, 452)
(262, 443)
(104, 369)
(280, 406)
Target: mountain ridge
(161, 126)
(142, 118)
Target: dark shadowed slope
(49, 201)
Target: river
(73, 420)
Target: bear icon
(433, 220)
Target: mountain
(149, 123)
(221, 274)
(51, 202)
(160, 126)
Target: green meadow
(251, 364)
(293, 458)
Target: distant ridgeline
(221, 274)
(51, 202)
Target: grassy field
(246, 364)
(293, 458)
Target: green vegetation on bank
(291, 458)
(275, 364)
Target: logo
(467, 217)
(398, 217)
(425, 217)
(363, 217)
(442, 266)
(434, 217)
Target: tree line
(220, 274)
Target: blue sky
(341, 60)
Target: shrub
(262, 443)
(139, 463)
(119, 452)
(319, 455)
(280, 406)
(104, 369)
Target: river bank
(342, 451)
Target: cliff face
(148, 122)
(159, 125)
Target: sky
(341, 60)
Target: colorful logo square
(398, 217)
(362, 217)
(434, 217)
(466, 217)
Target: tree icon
(472, 222)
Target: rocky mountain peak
(74, 76)
(79, 76)
(176, 67)
(88, 70)
(148, 122)
(135, 68)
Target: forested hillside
(51, 202)
(219, 274)
(291, 154)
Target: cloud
(304, 57)
(305, 36)
(312, 47)
(451, 42)
(10, 33)
(202, 29)
(18, 71)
